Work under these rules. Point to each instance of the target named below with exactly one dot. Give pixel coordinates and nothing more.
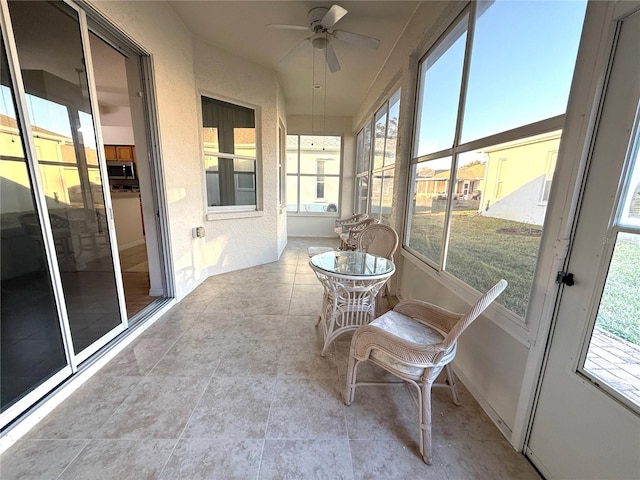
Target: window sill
(230, 215)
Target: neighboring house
(518, 179)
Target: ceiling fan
(321, 22)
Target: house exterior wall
(185, 68)
(242, 241)
(515, 180)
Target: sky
(522, 62)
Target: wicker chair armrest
(370, 337)
(428, 313)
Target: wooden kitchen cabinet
(123, 153)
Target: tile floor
(230, 385)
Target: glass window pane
(320, 148)
(292, 193)
(31, 346)
(210, 138)
(427, 210)
(309, 202)
(498, 216)
(392, 131)
(440, 82)
(362, 193)
(380, 131)
(292, 154)
(614, 349)
(361, 164)
(230, 129)
(386, 201)
(376, 195)
(244, 141)
(366, 148)
(522, 64)
(630, 208)
(62, 126)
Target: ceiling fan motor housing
(315, 16)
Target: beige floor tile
(302, 459)
(121, 459)
(214, 459)
(233, 378)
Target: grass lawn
(619, 311)
(482, 250)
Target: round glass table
(351, 281)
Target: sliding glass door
(62, 295)
(31, 341)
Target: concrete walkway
(615, 361)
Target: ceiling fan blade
(332, 59)
(357, 39)
(292, 53)
(286, 27)
(335, 13)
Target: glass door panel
(49, 46)
(613, 353)
(31, 342)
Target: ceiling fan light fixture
(319, 42)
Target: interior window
(230, 154)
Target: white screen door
(587, 420)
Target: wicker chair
(349, 238)
(343, 224)
(380, 240)
(415, 342)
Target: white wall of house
(184, 68)
(242, 240)
(301, 225)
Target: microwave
(121, 170)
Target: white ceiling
(240, 27)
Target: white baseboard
(493, 415)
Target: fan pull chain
(313, 88)
(324, 107)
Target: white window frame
(517, 323)
(211, 210)
(298, 175)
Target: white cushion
(408, 329)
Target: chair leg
(451, 380)
(425, 422)
(350, 390)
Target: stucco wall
(238, 241)
(184, 68)
(173, 59)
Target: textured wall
(184, 68)
(233, 241)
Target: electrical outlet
(197, 232)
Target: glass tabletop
(352, 263)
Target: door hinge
(565, 277)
